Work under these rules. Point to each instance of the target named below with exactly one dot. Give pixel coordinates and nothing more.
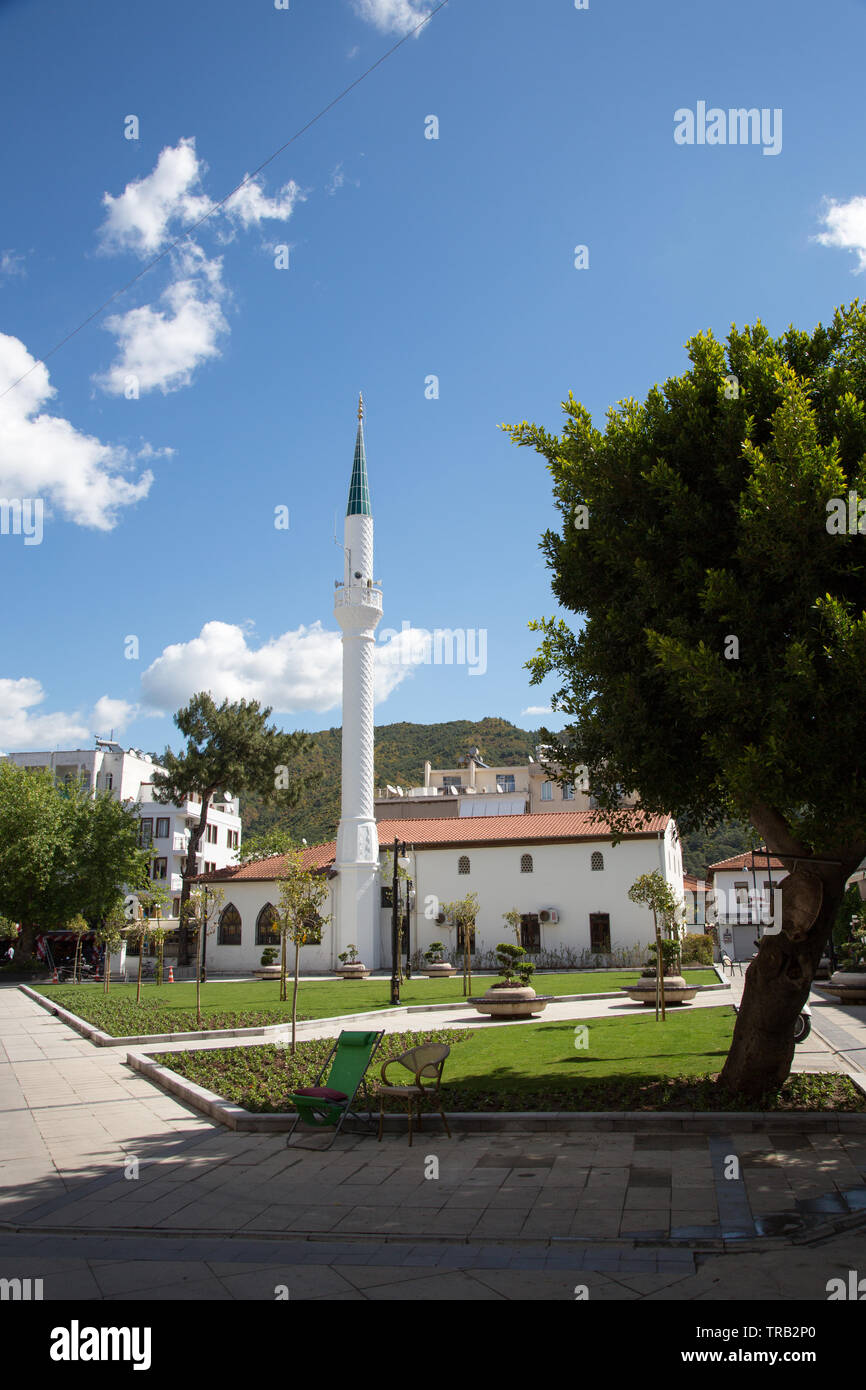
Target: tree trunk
(25, 945)
(189, 872)
(295, 992)
(779, 978)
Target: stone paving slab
(521, 1198)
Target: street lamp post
(204, 935)
(395, 937)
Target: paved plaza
(112, 1189)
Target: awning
(55, 937)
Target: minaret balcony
(358, 596)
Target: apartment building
(128, 775)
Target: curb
(102, 1039)
(519, 1121)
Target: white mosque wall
(562, 877)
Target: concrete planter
(267, 972)
(848, 986)
(358, 971)
(438, 969)
(676, 991)
(512, 1001)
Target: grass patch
(256, 1003)
(630, 1064)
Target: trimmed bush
(698, 948)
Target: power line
(40, 361)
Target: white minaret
(358, 609)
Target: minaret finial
(360, 406)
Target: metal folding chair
(327, 1106)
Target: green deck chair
(327, 1104)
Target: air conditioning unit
(548, 914)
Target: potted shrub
(350, 967)
(269, 968)
(661, 983)
(512, 996)
(849, 982)
(435, 966)
(675, 989)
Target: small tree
(110, 935)
(514, 920)
(302, 894)
(656, 893)
(229, 746)
(463, 912)
(203, 909)
(138, 933)
(79, 926)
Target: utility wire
(216, 206)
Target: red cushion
(322, 1092)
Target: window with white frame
(547, 791)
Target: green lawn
(252, 1003)
(628, 1064)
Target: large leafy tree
(62, 852)
(721, 662)
(229, 747)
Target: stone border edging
(491, 1121)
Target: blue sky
(161, 438)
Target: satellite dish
(227, 796)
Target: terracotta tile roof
(313, 857)
(485, 830)
(744, 861)
(430, 833)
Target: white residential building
(128, 775)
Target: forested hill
(401, 750)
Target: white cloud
(161, 348)
(160, 345)
(845, 225)
(300, 670)
(44, 456)
(392, 16)
(250, 205)
(337, 179)
(11, 263)
(536, 709)
(24, 730)
(109, 714)
(149, 210)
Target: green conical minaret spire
(359, 488)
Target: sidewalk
(216, 1214)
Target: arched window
(267, 931)
(463, 864)
(229, 933)
(597, 861)
(526, 863)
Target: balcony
(356, 595)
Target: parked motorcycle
(802, 1023)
